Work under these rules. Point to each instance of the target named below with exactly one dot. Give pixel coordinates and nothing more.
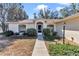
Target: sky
(31, 8)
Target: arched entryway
(39, 27)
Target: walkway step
(40, 48)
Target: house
(71, 24)
(71, 27)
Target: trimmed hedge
(31, 32)
(8, 33)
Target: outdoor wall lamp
(64, 32)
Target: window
(22, 28)
(51, 27)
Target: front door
(39, 28)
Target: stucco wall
(13, 27)
(59, 29)
(44, 24)
(75, 34)
(71, 29)
(30, 26)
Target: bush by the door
(46, 31)
(31, 32)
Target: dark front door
(39, 28)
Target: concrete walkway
(40, 48)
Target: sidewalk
(40, 48)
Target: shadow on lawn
(15, 37)
(22, 37)
(51, 38)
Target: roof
(49, 21)
(72, 17)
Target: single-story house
(71, 24)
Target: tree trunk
(3, 27)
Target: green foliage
(64, 12)
(49, 36)
(63, 49)
(8, 33)
(48, 14)
(54, 33)
(24, 33)
(15, 12)
(46, 31)
(16, 33)
(31, 32)
(35, 16)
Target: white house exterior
(37, 24)
(71, 26)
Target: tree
(16, 13)
(25, 15)
(35, 17)
(64, 12)
(51, 15)
(40, 14)
(73, 8)
(55, 14)
(3, 13)
(77, 7)
(11, 12)
(45, 13)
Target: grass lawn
(19, 47)
(57, 48)
(63, 50)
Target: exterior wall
(54, 27)
(13, 27)
(59, 29)
(72, 30)
(72, 34)
(30, 26)
(44, 24)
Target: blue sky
(31, 8)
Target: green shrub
(46, 31)
(31, 32)
(49, 36)
(8, 33)
(54, 33)
(24, 33)
(16, 33)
